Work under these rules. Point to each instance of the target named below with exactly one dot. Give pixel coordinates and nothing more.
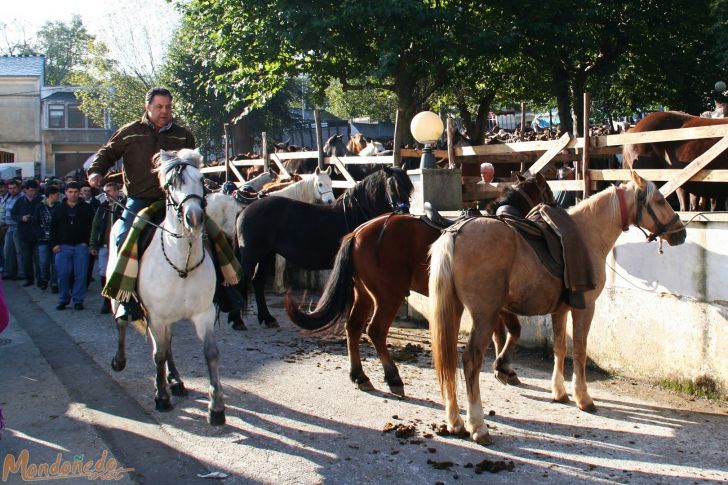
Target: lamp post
(426, 128)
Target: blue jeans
(46, 264)
(103, 259)
(135, 205)
(72, 259)
(11, 250)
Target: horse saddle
(247, 196)
(552, 234)
(437, 221)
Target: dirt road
(294, 417)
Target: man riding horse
(137, 143)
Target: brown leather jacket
(136, 143)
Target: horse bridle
(641, 199)
(398, 207)
(321, 194)
(171, 202)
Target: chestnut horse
(376, 267)
(677, 154)
(490, 266)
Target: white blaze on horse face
(324, 188)
(189, 197)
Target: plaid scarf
(121, 285)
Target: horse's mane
(591, 203)
(372, 189)
(504, 199)
(280, 184)
(166, 160)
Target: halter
(641, 199)
(398, 207)
(320, 193)
(179, 168)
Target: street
(293, 416)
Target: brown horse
(376, 267)
(677, 154)
(510, 275)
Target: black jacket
(22, 208)
(71, 225)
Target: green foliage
(377, 104)
(66, 47)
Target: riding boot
(106, 304)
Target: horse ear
(637, 179)
(540, 178)
(317, 171)
(328, 170)
(519, 176)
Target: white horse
(176, 280)
(315, 188)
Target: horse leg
(480, 336)
(204, 326)
(119, 361)
(176, 386)
(384, 313)
(502, 365)
(683, 198)
(160, 345)
(558, 390)
(280, 269)
(581, 324)
(358, 316)
(264, 316)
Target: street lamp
(426, 128)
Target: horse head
(180, 178)
(652, 212)
(357, 143)
(323, 187)
(399, 188)
(335, 146)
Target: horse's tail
(444, 313)
(337, 297)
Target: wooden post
(226, 129)
(585, 153)
(523, 128)
(319, 140)
(450, 143)
(397, 143)
(264, 151)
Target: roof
(58, 95)
(23, 66)
(308, 116)
(378, 130)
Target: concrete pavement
(294, 417)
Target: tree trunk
(577, 95)
(561, 92)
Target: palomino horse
(309, 235)
(677, 154)
(176, 280)
(510, 275)
(376, 267)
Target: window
(6, 157)
(57, 116)
(76, 118)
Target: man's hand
(94, 180)
(57, 249)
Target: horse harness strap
(183, 273)
(661, 228)
(623, 209)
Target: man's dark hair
(52, 189)
(113, 185)
(157, 91)
(73, 185)
(13, 182)
(31, 184)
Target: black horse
(309, 235)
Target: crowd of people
(51, 232)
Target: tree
(258, 46)
(14, 41)
(377, 104)
(66, 46)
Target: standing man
(23, 214)
(70, 233)
(137, 143)
(11, 248)
(42, 229)
(107, 213)
(3, 196)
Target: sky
(125, 26)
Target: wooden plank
(450, 143)
(713, 131)
(694, 167)
(356, 160)
(264, 146)
(285, 174)
(297, 155)
(342, 184)
(547, 157)
(215, 169)
(335, 160)
(659, 175)
(237, 173)
(575, 185)
(253, 162)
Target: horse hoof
(397, 390)
(501, 377)
(270, 322)
(365, 386)
(562, 400)
(216, 418)
(513, 380)
(239, 326)
(178, 389)
(117, 365)
(163, 405)
(588, 408)
(482, 437)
